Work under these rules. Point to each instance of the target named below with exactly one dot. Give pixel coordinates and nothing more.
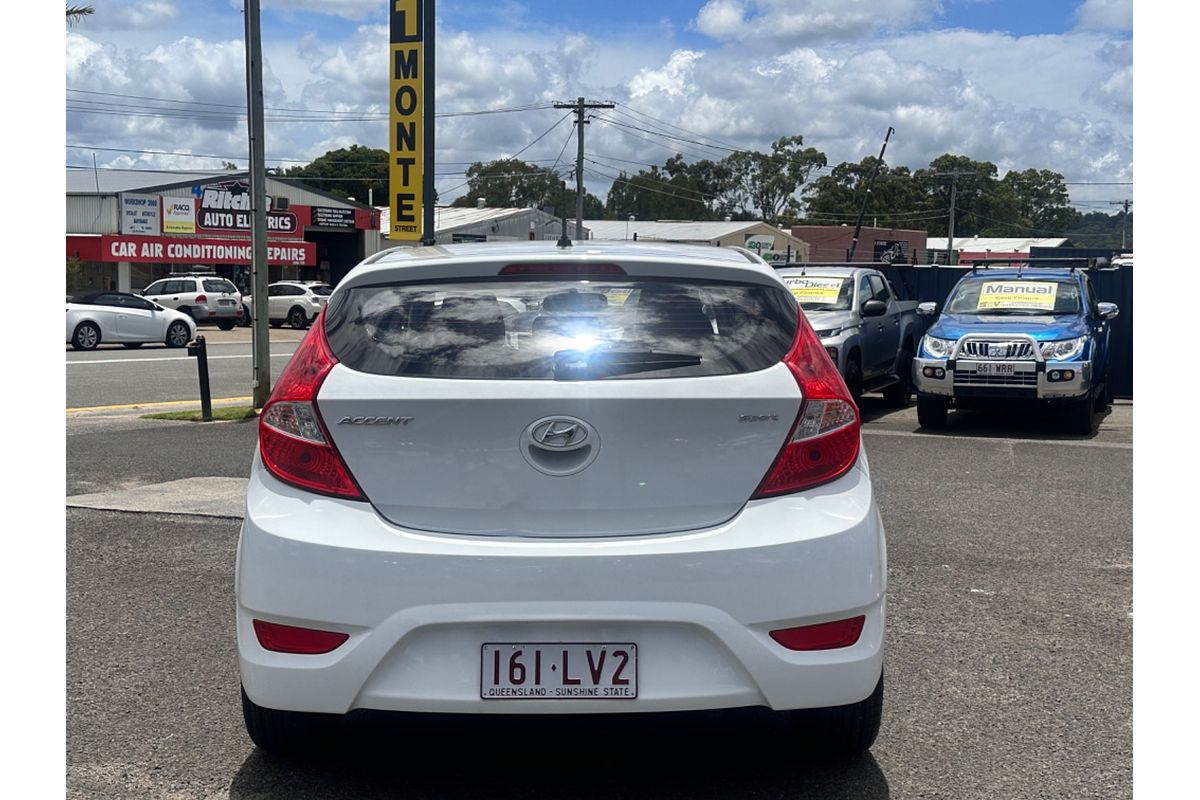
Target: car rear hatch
(637, 402)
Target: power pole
(953, 176)
(579, 106)
(867, 195)
(1124, 217)
(261, 347)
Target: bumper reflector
(290, 639)
(822, 636)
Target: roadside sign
(406, 138)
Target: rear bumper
(958, 380)
(209, 313)
(700, 605)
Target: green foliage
(76, 13)
(513, 183)
(768, 182)
(347, 172)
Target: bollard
(199, 350)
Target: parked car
(670, 513)
(870, 334)
(101, 317)
(1035, 335)
(295, 302)
(204, 298)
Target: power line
(630, 108)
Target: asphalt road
(1009, 668)
(154, 373)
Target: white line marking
(968, 438)
(168, 358)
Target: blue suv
(1038, 335)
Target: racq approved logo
(226, 207)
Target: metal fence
(933, 283)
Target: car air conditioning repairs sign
(140, 214)
(1017, 294)
(226, 207)
(815, 290)
(163, 250)
(406, 143)
(179, 215)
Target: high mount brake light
(824, 440)
(582, 270)
(292, 439)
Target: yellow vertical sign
(406, 138)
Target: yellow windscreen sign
(1017, 294)
(815, 290)
(406, 135)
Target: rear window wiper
(573, 365)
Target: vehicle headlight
(938, 348)
(1062, 350)
(827, 332)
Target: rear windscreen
(562, 329)
(219, 286)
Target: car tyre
(178, 334)
(840, 731)
(275, 323)
(226, 324)
(131, 345)
(86, 336)
(1079, 415)
(297, 318)
(284, 732)
(898, 394)
(854, 379)
(244, 319)
(931, 411)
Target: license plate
(558, 671)
(225, 302)
(995, 369)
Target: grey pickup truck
(870, 334)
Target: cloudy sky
(1022, 83)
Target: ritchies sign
(226, 207)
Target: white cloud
(790, 20)
(139, 14)
(1113, 15)
(671, 79)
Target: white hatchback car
(95, 318)
(656, 500)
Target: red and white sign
(163, 250)
(225, 207)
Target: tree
(655, 194)
(76, 13)
(1044, 206)
(347, 172)
(896, 200)
(513, 183)
(768, 182)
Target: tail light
(824, 440)
(292, 438)
(201, 298)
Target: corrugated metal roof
(447, 218)
(112, 181)
(979, 244)
(682, 231)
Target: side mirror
(142, 293)
(874, 308)
(927, 309)
(1108, 310)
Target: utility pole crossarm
(579, 107)
(953, 176)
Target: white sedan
(119, 318)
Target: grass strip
(224, 414)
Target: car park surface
(1008, 666)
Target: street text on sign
(406, 138)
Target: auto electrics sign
(226, 207)
(405, 132)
